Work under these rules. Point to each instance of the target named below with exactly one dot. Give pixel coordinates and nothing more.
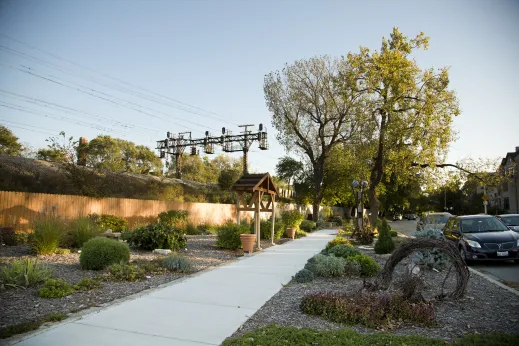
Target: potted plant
(247, 239)
(292, 220)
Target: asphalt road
(506, 272)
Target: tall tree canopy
(410, 110)
(9, 144)
(311, 114)
(60, 149)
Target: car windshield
(511, 220)
(437, 218)
(479, 225)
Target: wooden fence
(19, 209)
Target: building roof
(255, 182)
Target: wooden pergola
(258, 185)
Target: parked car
(437, 219)
(511, 220)
(397, 216)
(482, 237)
(410, 216)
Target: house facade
(508, 197)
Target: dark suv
(482, 237)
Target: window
(506, 203)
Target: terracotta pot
(291, 232)
(247, 242)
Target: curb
(494, 281)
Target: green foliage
(55, 289)
(344, 251)
(153, 267)
(228, 177)
(300, 234)
(329, 266)
(303, 276)
(62, 251)
(292, 218)
(98, 253)
(9, 143)
(7, 236)
(431, 258)
(106, 221)
(228, 235)
(87, 284)
(266, 229)
(125, 272)
(60, 149)
(177, 263)
(337, 241)
(192, 229)
(365, 236)
(81, 230)
(370, 310)
(385, 243)
(157, 236)
(207, 228)
(368, 266)
(24, 272)
(25, 327)
(308, 226)
(174, 218)
(393, 233)
(48, 234)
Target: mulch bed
(485, 308)
(19, 305)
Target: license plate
(502, 253)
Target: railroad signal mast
(174, 146)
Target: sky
(136, 69)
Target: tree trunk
(318, 180)
(315, 211)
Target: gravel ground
(485, 308)
(18, 305)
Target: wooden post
(257, 223)
(238, 205)
(273, 217)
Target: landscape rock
(162, 251)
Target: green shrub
(7, 236)
(266, 229)
(174, 218)
(329, 266)
(156, 236)
(352, 268)
(385, 243)
(292, 218)
(337, 241)
(192, 229)
(24, 272)
(177, 263)
(24, 327)
(105, 221)
(308, 226)
(87, 284)
(344, 251)
(369, 309)
(55, 289)
(125, 272)
(366, 235)
(368, 266)
(62, 251)
(207, 228)
(300, 234)
(21, 238)
(99, 253)
(303, 276)
(81, 230)
(393, 233)
(48, 234)
(228, 235)
(153, 267)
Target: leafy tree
(9, 143)
(60, 149)
(311, 114)
(288, 169)
(410, 109)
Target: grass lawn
(274, 335)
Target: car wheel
(464, 256)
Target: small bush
(125, 272)
(329, 266)
(304, 275)
(344, 251)
(7, 236)
(192, 229)
(337, 241)
(370, 310)
(81, 230)
(87, 284)
(432, 258)
(266, 229)
(99, 253)
(55, 289)
(48, 234)
(105, 221)
(300, 234)
(156, 236)
(62, 251)
(365, 236)
(352, 268)
(207, 228)
(174, 218)
(24, 272)
(21, 238)
(228, 235)
(393, 233)
(368, 266)
(153, 267)
(292, 218)
(177, 263)
(308, 226)
(385, 243)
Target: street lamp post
(359, 187)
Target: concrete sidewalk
(202, 310)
